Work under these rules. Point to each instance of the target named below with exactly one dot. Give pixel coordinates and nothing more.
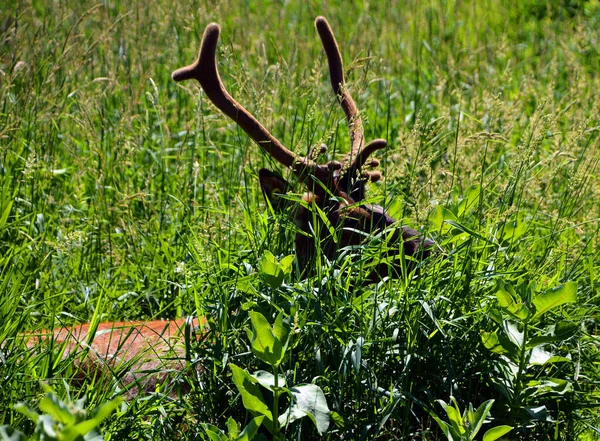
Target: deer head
(337, 187)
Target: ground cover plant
(126, 196)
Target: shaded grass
(126, 195)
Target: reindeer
(337, 188)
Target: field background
(126, 196)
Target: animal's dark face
(273, 186)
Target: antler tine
(336, 73)
(204, 70)
(359, 161)
(363, 155)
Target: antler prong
(363, 155)
(204, 70)
(317, 150)
(336, 73)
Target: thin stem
(519, 377)
(275, 411)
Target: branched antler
(336, 74)
(357, 157)
(204, 70)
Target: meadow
(127, 196)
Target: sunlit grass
(128, 196)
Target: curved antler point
(210, 38)
(212, 27)
(207, 50)
(320, 21)
(183, 73)
(377, 144)
(374, 176)
(323, 28)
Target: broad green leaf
(53, 406)
(506, 295)
(308, 400)
(23, 409)
(437, 218)
(7, 433)
(481, 414)
(245, 285)
(468, 414)
(556, 333)
(496, 432)
(213, 432)
(456, 419)
(552, 298)
(554, 385)
(265, 345)
(491, 341)
(513, 229)
(78, 433)
(251, 429)
(233, 428)
(450, 433)
(511, 303)
(107, 408)
(287, 264)
(559, 359)
(337, 419)
(496, 316)
(499, 344)
(281, 330)
(270, 270)
(70, 433)
(85, 428)
(252, 397)
(469, 200)
(267, 380)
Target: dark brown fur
(349, 219)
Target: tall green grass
(127, 196)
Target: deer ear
(272, 184)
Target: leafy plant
(465, 426)
(523, 341)
(61, 420)
(233, 430)
(126, 196)
(269, 344)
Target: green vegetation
(124, 195)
